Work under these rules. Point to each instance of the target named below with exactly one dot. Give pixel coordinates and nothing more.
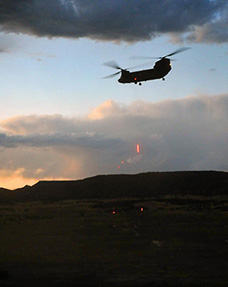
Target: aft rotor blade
(113, 64)
(177, 51)
(171, 54)
(138, 66)
(141, 57)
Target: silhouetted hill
(6, 195)
(152, 184)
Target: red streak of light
(138, 148)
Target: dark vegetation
(152, 229)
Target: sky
(59, 119)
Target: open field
(174, 241)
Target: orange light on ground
(142, 209)
(118, 166)
(138, 148)
(114, 212)
(122, 162)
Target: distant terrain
(151, 184)
(167, 229)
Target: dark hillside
(152, 184)
(6, 195)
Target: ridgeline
(151, 184)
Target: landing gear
(163, 79)
(140, 84)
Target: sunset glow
(16, 181)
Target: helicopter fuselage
(159, 71)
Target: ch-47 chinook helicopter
(159, 70)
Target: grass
(172, 242)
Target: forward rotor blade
(113, 64)
(177, 51)
(111, 76)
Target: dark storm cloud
(117, 20)
(57, 140)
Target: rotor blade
(111, 76)
(113, 64)
(150, 58)
(177, 51)
(138, 66)
(140, 57)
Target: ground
(168, 241)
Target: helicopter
(160, 69)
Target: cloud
(116, 20)
(186, 134)
(107, 109)
(24, 125)
(3, 50)
(37, 140)
(212, 32)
